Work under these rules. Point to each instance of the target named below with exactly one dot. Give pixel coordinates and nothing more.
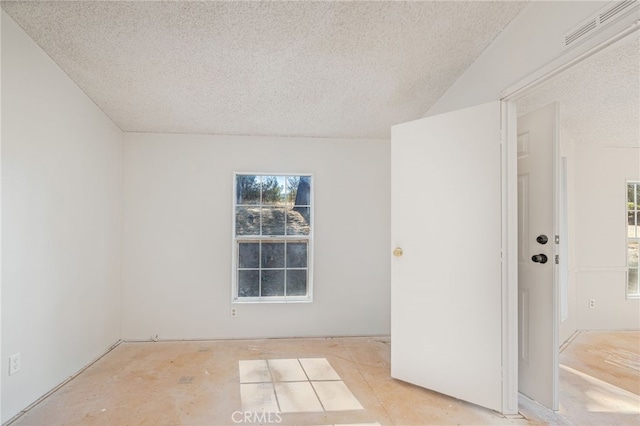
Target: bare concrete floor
(199, 383)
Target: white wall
(177, 236)
(61, 201)
(600, 216)
(532, 42)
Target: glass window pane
(303, 191)
(272, 221)
(298, 221)
(247, 189)
(632, 288)
(632, 254)
(299, 218)
(273, 190)
(632, 225)
(296, 255)
(273, 255)
(637, 187)
(247, 220)
(273, 283)
(248, 283)
(291, 189)
(249, 255)
(297, 282)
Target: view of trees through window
(633, 238)
(272, 232)
(273, 205)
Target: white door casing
(538, 294)
(446, 297)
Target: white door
(446, 298)
(537, 280)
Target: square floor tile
(286, 370)
(297, 397)
(336, 396)
(254, 371)
(319, 369)
(258, 397)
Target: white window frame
(272, 238)
(630, 239)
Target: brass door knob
(397, 252)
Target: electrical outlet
(234, 312)
(14, 364)
(592, 303)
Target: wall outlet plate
(14, 363)
(234, 312)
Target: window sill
(245, 301)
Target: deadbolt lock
(542, 239)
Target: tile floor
(302, 382)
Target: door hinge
(557, 239)
(557, 259)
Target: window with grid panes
(633, 238)
(272, 237)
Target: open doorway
(598, 155)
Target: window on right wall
(633, 238)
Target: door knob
(397, 252)
(539, 258)
(542, 239)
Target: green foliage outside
(633, 196)
(271, 190)
(292, 185)
(249, 188)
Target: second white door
(538, 311)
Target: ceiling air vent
(580, 32)
(614, 11)
(599, 21)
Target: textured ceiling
(599, 97)
(324, 69)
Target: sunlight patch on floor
(619, 357)
(604, 397)
(354, 424)
(302, 385)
